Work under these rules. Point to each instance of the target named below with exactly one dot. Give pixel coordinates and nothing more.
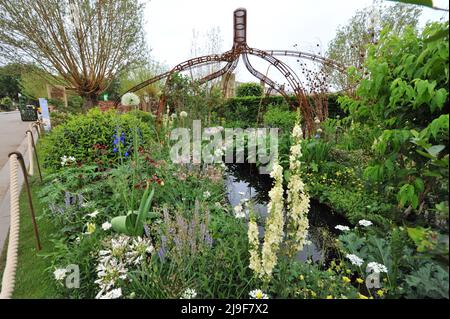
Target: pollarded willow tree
(83, 42)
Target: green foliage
(352, 40)
(315, 151)
(304, 280)
(9, 80)
(279, 117)
(6, 103)
(89, 138)
(199, 102)
(249, 89)
(133, 77)
(407, 95)
(133, 223)
(251, 110)
(409, 273)
(427, 3)
(220, 271)
(429, 281)
(33, 82)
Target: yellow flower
(359, 280)
(346, 279)
(90, 228)
(380, 293)
(329, 297)
(360, 296)
(301, 277)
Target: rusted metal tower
(241, 49)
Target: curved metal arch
(229, 67)
(308, 56)
(231, 58)
(282, 67)
(262, 77)
(228, 74)
(188, 64)
(198, 62)
(293, 80)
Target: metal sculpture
(241, 49)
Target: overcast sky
(272, 24)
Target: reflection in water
(243, 181)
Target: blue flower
(126, 154)
(115, 150)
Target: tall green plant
(407, 96)
(133, 223)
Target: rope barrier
(16, 159)
(8, 281)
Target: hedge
(245, 109)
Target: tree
(9, 80)
(207, 43)
(349, 47)
(85, 42)
(140, 74)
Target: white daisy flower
(258, 294)
(106, 226)
(376, 268)
(93, 214)
(113, 294)
(342, 228)
(189, 294)
(365, 223)
(60, 273)
(355, 260)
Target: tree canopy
(349, 47)
(85, 42)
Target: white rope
(30, 153)
(9, 275)
(8, 281)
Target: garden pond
(244, 181)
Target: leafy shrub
(249, 89)
(279, 118)
(6, 103)
(315, 151)
(250, 107)
(411, 273)
(89, 138)
(407, 96)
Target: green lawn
(32, 278)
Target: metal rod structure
(240, 48)
(35, 154)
